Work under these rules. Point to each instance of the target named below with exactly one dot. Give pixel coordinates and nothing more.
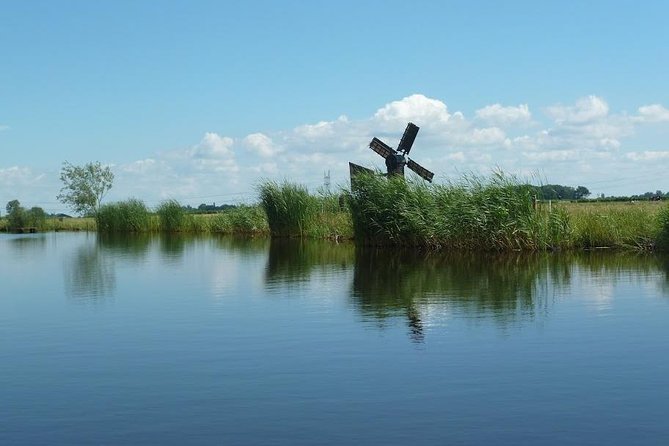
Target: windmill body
(396, 160)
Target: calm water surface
(172, 340)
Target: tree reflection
(90, 275)
(27, 245)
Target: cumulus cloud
(414, 108)
(261, 144)
(213, 146)
(654, 113)
(585, 110)
(496, 114)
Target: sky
(201, 101)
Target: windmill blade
(381, 148)
(408, 138)
(420, 170)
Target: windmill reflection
(422, 287)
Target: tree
(16, 215)
(84, 186)
(581, 192)
(12, 206)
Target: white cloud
(585, 110)
(648, 155)
(261, 144)
(266, 169)
(498, 115)
(4, 127)
(582, 141)
(322, 129)
(213, 145)
(654, 113)
(140, 166)
(553, 155)
(16, 175)
(456, 156)
(416, 108)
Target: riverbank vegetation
(496, 213)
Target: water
(173, 340)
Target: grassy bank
(496, 213)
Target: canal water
(182, 340)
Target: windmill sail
(420, 170)
(408, 138)
(381, 148)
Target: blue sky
(200, 100)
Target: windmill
(396, 159)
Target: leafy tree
(84, 186)
(18, 217)
(581, 192)
(36, 217)
(12, 206)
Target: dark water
(221, 341)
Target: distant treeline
(560, 192)
(208, 208)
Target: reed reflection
(130, 247)
(172, 246)
(246, 246)
(424, 288)
(291, 262)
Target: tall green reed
(172, 216)
(289, 207)
(124, 216)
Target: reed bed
(242, 220)
(289, 207)
(172, 216)
(473, 214)
(494, 214)
(124, 216)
